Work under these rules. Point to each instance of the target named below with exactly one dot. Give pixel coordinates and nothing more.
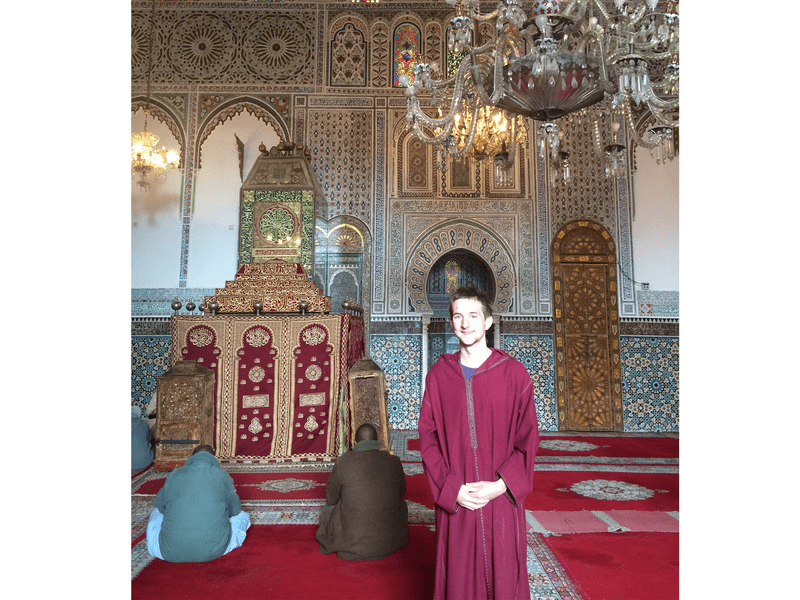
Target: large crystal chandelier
(146, 157)
(567, 56)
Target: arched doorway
(588, 384)
(454, 269)
(341, 251)
(450, 236)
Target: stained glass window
(406, 52)
(451, 275)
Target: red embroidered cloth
(280, 381)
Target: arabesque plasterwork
(298, 67)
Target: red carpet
(294, 486)
(557, 490)
(418, 490)
(619, 566)
(283, 562)
(616, 446)
(584, 562)
(263, 486)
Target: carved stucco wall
(298, 66)
(481, 238)
(322, 75)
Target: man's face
(468, 321)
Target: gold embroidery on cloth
(313, 372)
(313, 335)
(257, 374)
(257, 337)
(200, 336)
(315, 399)
(253, 401)
(281, 399)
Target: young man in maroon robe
(478, 439)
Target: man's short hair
(366, 432)
(203, 448)
(472, 293)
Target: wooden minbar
(280, 361)
(280, 358)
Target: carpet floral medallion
(566, 445)
(286, 485)
(604, 489)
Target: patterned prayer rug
(254, 486)
(572, 444)
(557, 522)
(581, 490)
(261, 486)
(565, 451)
(655, 448)
(547, 578)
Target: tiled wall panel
(650, 383)
(149, 359)
(400, 357)
(650, 376)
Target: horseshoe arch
(460, 234)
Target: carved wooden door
(588, 385)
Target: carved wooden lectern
(368, 399)
(185, 417)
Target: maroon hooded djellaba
(478, 430)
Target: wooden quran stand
(185, 417)
(368, 400)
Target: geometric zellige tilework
(149, 359)
(535, 352)
(400, 358)
(650, 372)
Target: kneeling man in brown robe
(367, 518)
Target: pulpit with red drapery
(280, 380)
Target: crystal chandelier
(662, 143)
(493, 131)
(569, 56)
(146, 157)
(550, 143)
(480, 131)
(615, 154)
